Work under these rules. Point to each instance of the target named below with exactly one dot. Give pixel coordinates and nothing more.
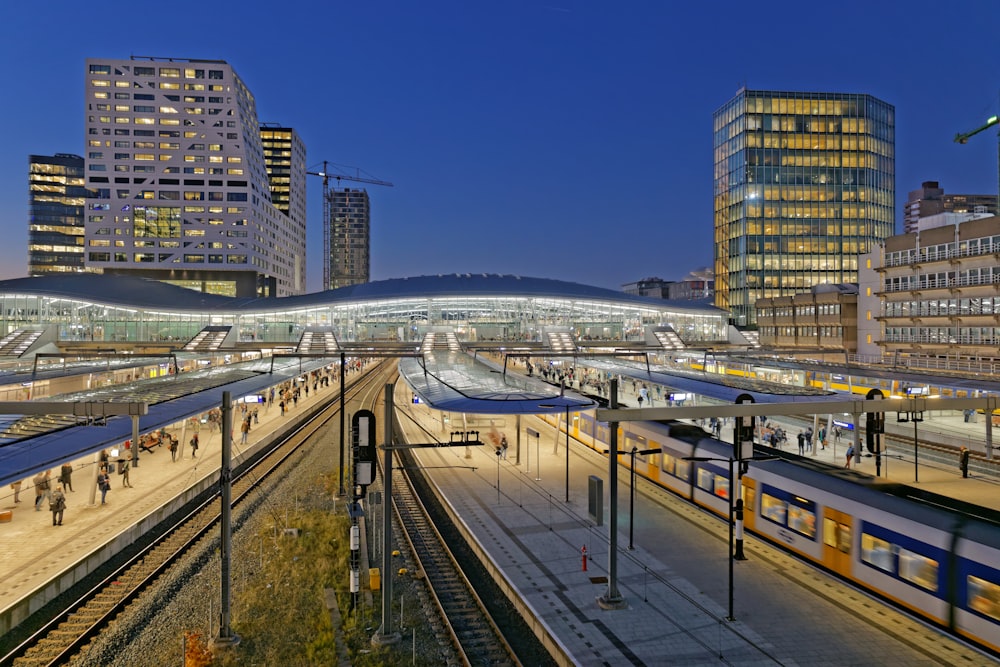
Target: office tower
(56, 208)
(931, 199)
(174, 154)
(804, 184)
(350, 241)
(285, 162)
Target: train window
(918, 569)
(844, 538)
(705, 478)
(830, 533)
(748, 497)
(837, 535)
(876, 552)
(984, 597)
(773, 508)
(802, 520)
(721, 486)
(683, 469)
(668, 464)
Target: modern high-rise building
(931, 199)
(350, 237)
(175, 157)
(285, 161)
(804, 184)
(57, 198)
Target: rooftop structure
(931, 200)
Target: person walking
(194, 445)
(850, 455)
(57, 505)
(503, 446)
(963, 461)
(43, 489)
(103, 483)
(17, 491)
(173, 449)
(245, 430)
(66, 476)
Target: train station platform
(674, 581)
(41, 560)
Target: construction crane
(963, 138)
(328, 207)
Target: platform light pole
(612, 598)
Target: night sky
(568, 140)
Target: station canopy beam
(96, 409)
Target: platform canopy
(459, 382)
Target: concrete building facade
(174, 155)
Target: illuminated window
(984, 597)
(876, 552)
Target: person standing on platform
(103, 483)
(245, 430)
(17, 491)
(963, 461)
(173, 449)
(503, 446)
(123, 466)
(194, 445)
(42, 489)
(57, 505)
(66, 476)
(802, 443)
(850, 455)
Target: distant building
(696, 286)
(350, 238)
(804, 183)
(931, 200)
(656, 288)
(817, 323)
(57, 201)
(174, 154)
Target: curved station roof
(94, 307)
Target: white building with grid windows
(174, 153)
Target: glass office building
(55, 227)
(804, 184)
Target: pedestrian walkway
(674, 583)
(41, 560)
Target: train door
(748, 491)
(837, 541)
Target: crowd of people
(51, 493)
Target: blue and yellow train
(943, 565)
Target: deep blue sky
(557, 139)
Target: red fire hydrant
(583, 555)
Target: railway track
(471, 630)
(71, 630)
